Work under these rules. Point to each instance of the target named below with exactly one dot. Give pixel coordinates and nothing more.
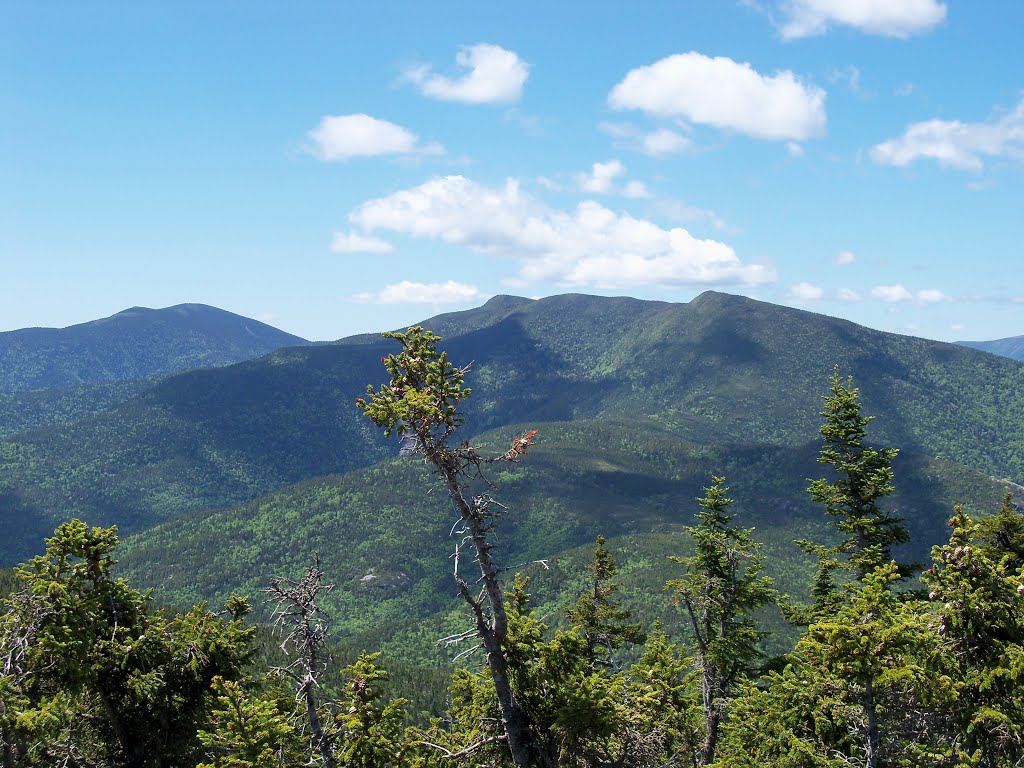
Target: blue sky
(334, 168)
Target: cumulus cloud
(897, 293)
(846, 294)
(804, 293)
(956, 144)
(587, 246)
(407, 292)
(725, 94)
(491, 75)
(663, 141)
(356, 242)
(636, 190)
(601, 179)
(890, 18)
(844, 258)
(931, 296)
(340, 137)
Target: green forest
(875, 651)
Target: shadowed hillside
(721, 370)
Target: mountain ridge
(135, 343)
(719, 370)
(1011, 347)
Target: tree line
(894, 666)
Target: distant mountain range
(722, 372)
(134, 344)
(1012, 347)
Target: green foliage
(96, 673)
(598, 615)
(977, 582)
(721, 588)
(247, 730)
(424, 392)
(370, 727)
(862, 687)
(722, 371)
(864, 477)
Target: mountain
(1013, 347)
(719, 371)
(134, 344)
(381, 531)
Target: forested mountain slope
(133, 344)
(1012, 347)
(720, 370)
(381, 532)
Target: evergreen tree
(421, 402)
(863, 476)
(722, 587)
(1003, 533)
(251, 730)
(371, 729)
(95, 675)
(597, 614)
(977, 584)
(864, 687)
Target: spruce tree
(862, 477)
(977, 586)
(604, 624)
(722, 587)
(421, 402)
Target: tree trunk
(516, 722)
(874, 745)
(315, 727)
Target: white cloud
(794, 149)
(955, 144)
(587, 246)
(636, 190)
(339, 137)
(680, 210)
(663, 142)
(892, 293)
(355, 242)
(726, 94)
(897, 293)
(407, 292)
(550, 184)
(844, 258)
(931, 296)
(805, 293)
(890, 18)
(601, 179)
(850, 76)
(845, 294)
(495, 76)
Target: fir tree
(95, 675)
(597, 614)
(722, 587)
(978, 587)
(421, 402)
(863, 477)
